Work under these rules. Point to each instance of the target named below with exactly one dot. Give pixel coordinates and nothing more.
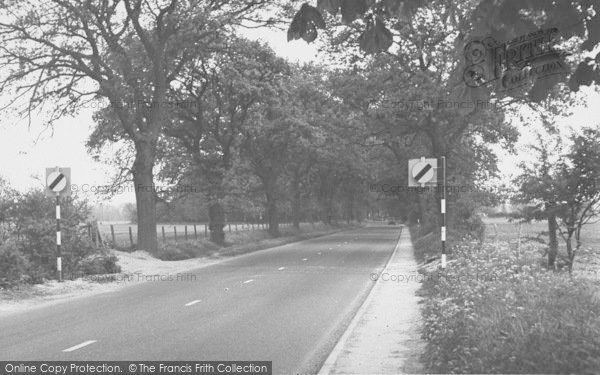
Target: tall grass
(497, 311)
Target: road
(288, 304)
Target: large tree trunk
(272, 214)
(216, 217)
(296, 203)
(145, 197)
(553, 241)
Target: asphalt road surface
(288, 304)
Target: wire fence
(125, 235)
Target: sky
(25, 153)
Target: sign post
(443, 211)
(58, 239)
(57, 184)
(425, 172)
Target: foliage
(482, 315)
(13, 265)
(126, 53)
(385, 26)
(170, 250)
(565, 190)
(29, 249)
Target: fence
(126, 234)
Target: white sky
(26, 153)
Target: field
(587, 262)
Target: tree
(128, 52)
(222, 90)
(267, 146)
(579, 188)
(414, 103)
(374, 23)
(538, 189)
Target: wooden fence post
(195, 232)
(162, 229)
(175, 231)
(519, 241)
(112, 235)
(98, 234)
(186, 233)
(130, 237)
(205, 231)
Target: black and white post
(443, 211)
(58, 240)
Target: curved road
(288, 304)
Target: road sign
(58, 181)
(422, 172)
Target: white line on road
(304, 259)
(73, 348)
(280, 268)
(193, 302)
(248, 281)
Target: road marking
(73, 348)
(280, 268)
(304, 259)
(248, 281)
(193, 302)
(319, 253)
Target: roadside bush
(30, 219)
(172, 250)
(13, 265)
(98, 264)
(493, 312)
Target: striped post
(58, 240)
(443, 211)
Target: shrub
(31, 221)
(171, 250)
(13, 265)
(98, 264)
(493, 312)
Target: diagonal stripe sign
(56, 181)
(422, 173)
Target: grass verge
(243, 242)
(495, 311)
